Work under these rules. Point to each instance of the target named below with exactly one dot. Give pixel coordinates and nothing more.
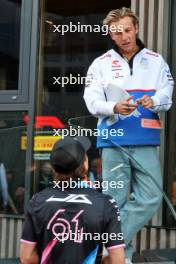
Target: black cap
(68, 153)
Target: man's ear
(137, 28)
(86, 163)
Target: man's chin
(126, 50)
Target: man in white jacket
(127, 87)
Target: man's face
(125, 40)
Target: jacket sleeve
(163, 96)
(94, 95)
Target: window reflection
(9, 43)
(12, 163)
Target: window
(9, 44)
(15, 16)
(12, 162)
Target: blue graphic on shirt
(92, 257)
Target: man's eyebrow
(127, 27)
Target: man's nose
(124, 36)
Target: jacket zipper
(131, 71)
(130, 64)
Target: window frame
(21, 95)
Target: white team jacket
(110, 73)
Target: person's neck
(130, 54)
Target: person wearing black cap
(69, 225)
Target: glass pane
(12, 162)
(9, 43)
(64, 60)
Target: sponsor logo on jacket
(116, 64)
(152, 53)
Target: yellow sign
(41, 143)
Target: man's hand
(125, 107)
(146, 101)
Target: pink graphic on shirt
(54, 216)
(64, 235)
(59, 223)
(47, 251)
(65, 231)
(78, 235)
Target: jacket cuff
(110, 108)
(156, 103)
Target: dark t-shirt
(69, 226)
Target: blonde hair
(116, 14)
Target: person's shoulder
(103, 58)
(152, 54)
(155, 59)
(109, 199)
(108, 203)
(42, 195)
(92, 192)
(106, 56)
(99, 195)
